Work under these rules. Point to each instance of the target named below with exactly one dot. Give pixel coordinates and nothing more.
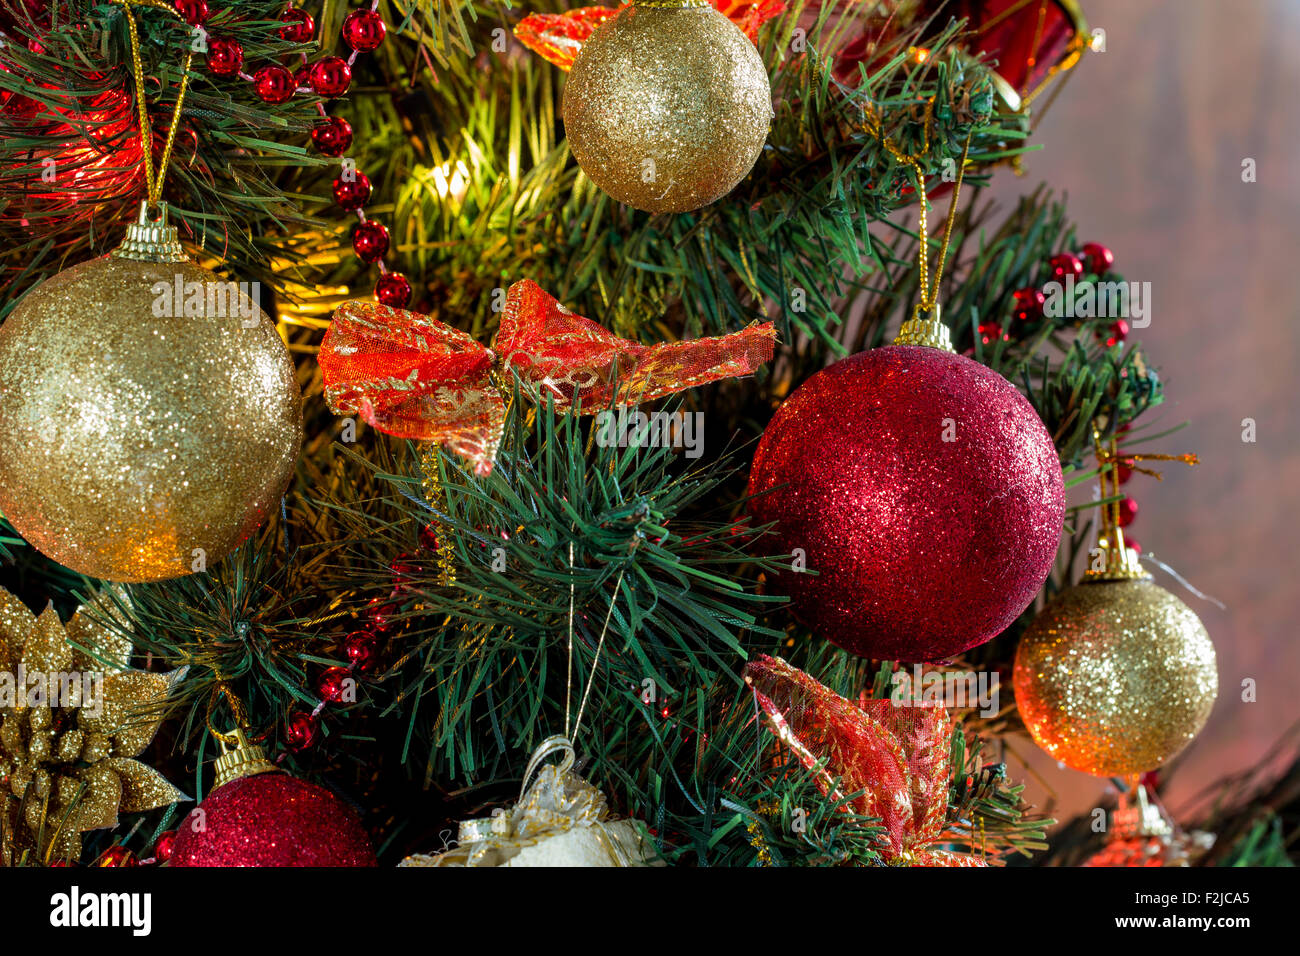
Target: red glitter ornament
(337, 685)
(364, 29)
(225, 56)
(272, 819)
(393, 289)
(331, 76)
(332, 136)
(369, 241)
(194, 11)
(925, 491)
(1065, 264)
(274, 84)
(1029, 304)
(164, 846)
(1128, 510)
(362, 650)
(298, 25)
(300, 731)
(1097, 257)
(351, 193)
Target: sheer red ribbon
(413, 377)
(899, 755)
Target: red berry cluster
(1027, 304)
(329, 78)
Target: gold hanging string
(153, 181)
(222, 689)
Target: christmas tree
(691, 467)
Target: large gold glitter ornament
(73, 718)
(149, 413)
(667, 107)
(1115, 676)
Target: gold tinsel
(667, 107)
(1114, 677)
(69, 768)
(151, 418)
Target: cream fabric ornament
(559, 820)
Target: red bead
(300, 731)
(298, 25)
(1128, 510)
(379, 612)
(1123, 472)
(1097, 257)
(405, 566)
(194, 11)
(1065, 264)
(369, 241)
(1132, 543)
(302, 76)
(274, 84)
(393, 289)
(331, 76)
(332, 136)
(991, 332)
(363, 29)
(429, 537)
(336, 684)
(1029, 304)
(117, 856)
(362, 650)
(163, 846)
(352, 193)
(1119, 330)
(225, 56)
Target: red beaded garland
(336, 683)
(1028, 304)
(352, 191)
(298, 25)
(1128, 510)
(193, 11)
(274, 84)
(300, 731)
(364, 29)
(117, 856)
(332, 136)
(225, 56)
(330, 76)
(362, 650)
(369, 241)
(164, 845)
(1119, 330)
(393, 289)
(1065, 264)
(1099, 259)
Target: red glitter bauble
(272, 819)
(194, 11)
(331, 76)
(923, 489)
(298, 25)
(364, 29)
(225, 56)
(1097, 257)
(353, 193)
(332, 136)
(274, 84)
(392, 288)
(369, 241)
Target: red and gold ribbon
(411, 376)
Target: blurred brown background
(1147, 139)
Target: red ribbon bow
(412, 376)
(898, 754)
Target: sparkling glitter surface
(923, 489)
(272, 819)
(132, 438)
(666, 109)
(1115, 677)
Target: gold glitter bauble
(148, 410)
(667, 108)
(1115, 677)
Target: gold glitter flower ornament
(73, 716)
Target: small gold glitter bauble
(667, 108)
(1114, 677)
(150, 418)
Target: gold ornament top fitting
(151, 238)
(1122, 562)
(1137, 816)
(241, 760)
(928, 331)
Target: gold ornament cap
(928, 331)
(1137, 816)
(241, 760)
(151, 238)
(1122, 562)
